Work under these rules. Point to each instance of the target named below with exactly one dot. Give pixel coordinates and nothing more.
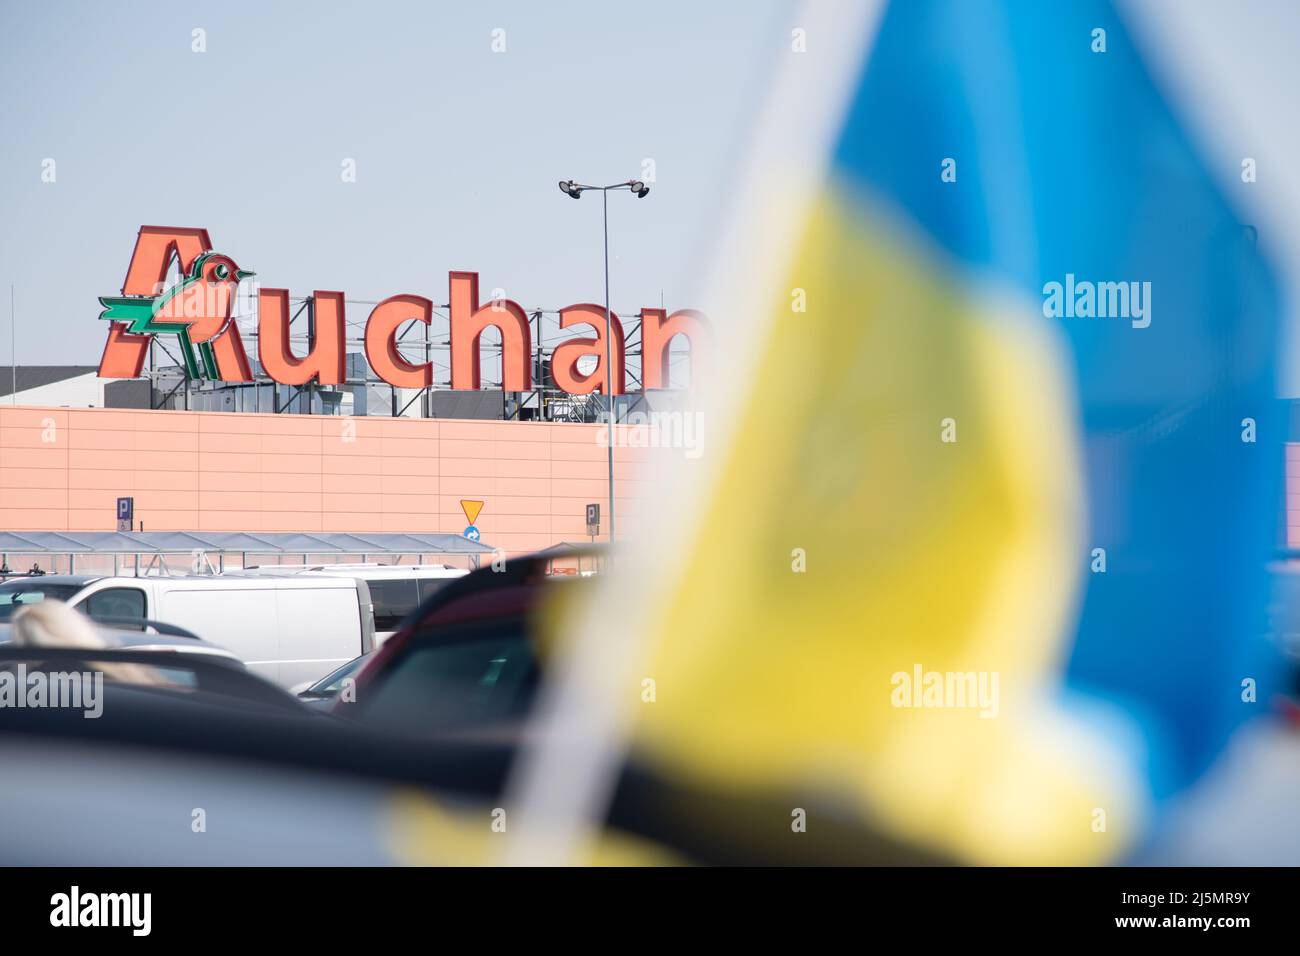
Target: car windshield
(466, 676)
(332, 683)
(15, 594)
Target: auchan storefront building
(63, 469)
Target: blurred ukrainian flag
(924, 313)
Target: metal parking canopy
(235, 542)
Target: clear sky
(458, 148)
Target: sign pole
(609, 366)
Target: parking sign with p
(125, 513)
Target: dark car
(175, 672)
(119, 777)
(466, 667)
(466, 659)
(439, 712)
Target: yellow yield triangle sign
(471, 509)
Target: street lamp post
(575, 190)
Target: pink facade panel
(62, 470)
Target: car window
(472, 675)
(17, 593)
(116, 603)
(431, 586)
(394, 599)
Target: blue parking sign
(125, 513)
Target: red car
(465, 659)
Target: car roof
(383, 572)
(231, 580)
(75, 579)
(393, 572)
(213, 674)
(490, 592)
(137, 640)
(253, 581)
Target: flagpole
(579, 729)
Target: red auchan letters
(224, 352)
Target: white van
(288, 629)
(395, 589)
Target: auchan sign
(197, 311)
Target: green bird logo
(196, 310)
